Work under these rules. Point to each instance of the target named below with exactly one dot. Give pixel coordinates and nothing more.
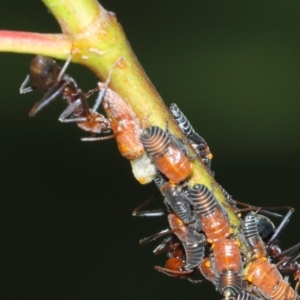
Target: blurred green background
(67, 232)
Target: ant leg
(23, 88)
(103, 87)
(91, 92)
(174, 273)
(94, 139)
(100, 97)
(288, 264)
(290, 255)
(47, 98)
(283, 223)
(258, 209)
(69, 110)
(148, 213)
(155, 236)
(263, 209)
(52, 93)
(166, 245)
(81, 96)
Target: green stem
(77, 17)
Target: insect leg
(283, 223)
(68, 111)
(155, 236)
(149, 213)
(23, 88)
(48, 97)
(105, 86)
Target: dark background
(66, 230)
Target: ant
(46, 74)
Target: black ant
(46, 74)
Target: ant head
(43, 72)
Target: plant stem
(96, 40)
(55, 45)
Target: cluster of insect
(243, 262)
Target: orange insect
(207, 271)
(227, 265)
(46, 74)
(261, 237)
(212, 218)
(269, 281)
(226, 259)
(123, 120)
(166, 153)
